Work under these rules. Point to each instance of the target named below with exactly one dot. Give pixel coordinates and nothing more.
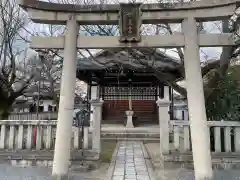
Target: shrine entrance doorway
(143, 101)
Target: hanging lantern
(130, 74)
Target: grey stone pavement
(130, 162)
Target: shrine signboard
(130, 22)
(82, 118)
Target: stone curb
(145, 153)
(150, 169)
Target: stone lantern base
(129, 119)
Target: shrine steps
(146, 134)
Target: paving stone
(118, 174)
(140, 167)
(129, 157)
(129, 166)
(120, 162)
(130, 169)
(130, 173)
(142, 172)
(130, 176)
(130, 162)
(122, 157)
(143, 162)
(118, 178)
(120, 165)
(119, 169)
(139, 161)
(141, 177)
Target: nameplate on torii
(130, 22)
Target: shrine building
(125, 84)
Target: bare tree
(21, 68)
(17, 62)
(51, 61)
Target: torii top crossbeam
(151, 13)
(53, 13)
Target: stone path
(131, 162)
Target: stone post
(49, 137)
(196, 103)
(129, 119)
(237, 139)
(217, 139)
(96, 127)
(86, 136)
(166, 92)
(94, 90)
(178, 112)
(185, 112)
(3, 136)
(39, 137)
(176, 137)
(227, 139)
(76, 138)
(167, 95)
(29, 136)
(20, 137)
(45, 106)
(186, 140)
(66, 104)
(164, 118)
(11, 137)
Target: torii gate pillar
(196, 103)
(66, 105)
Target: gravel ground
(8, 172)
(182, 173)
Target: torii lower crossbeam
(106, 42)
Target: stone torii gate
(131, 17)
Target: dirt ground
(108, 148)
(98, 174)
(159, 171)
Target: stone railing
(20, 134)
(33, 116)
(224, 135)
